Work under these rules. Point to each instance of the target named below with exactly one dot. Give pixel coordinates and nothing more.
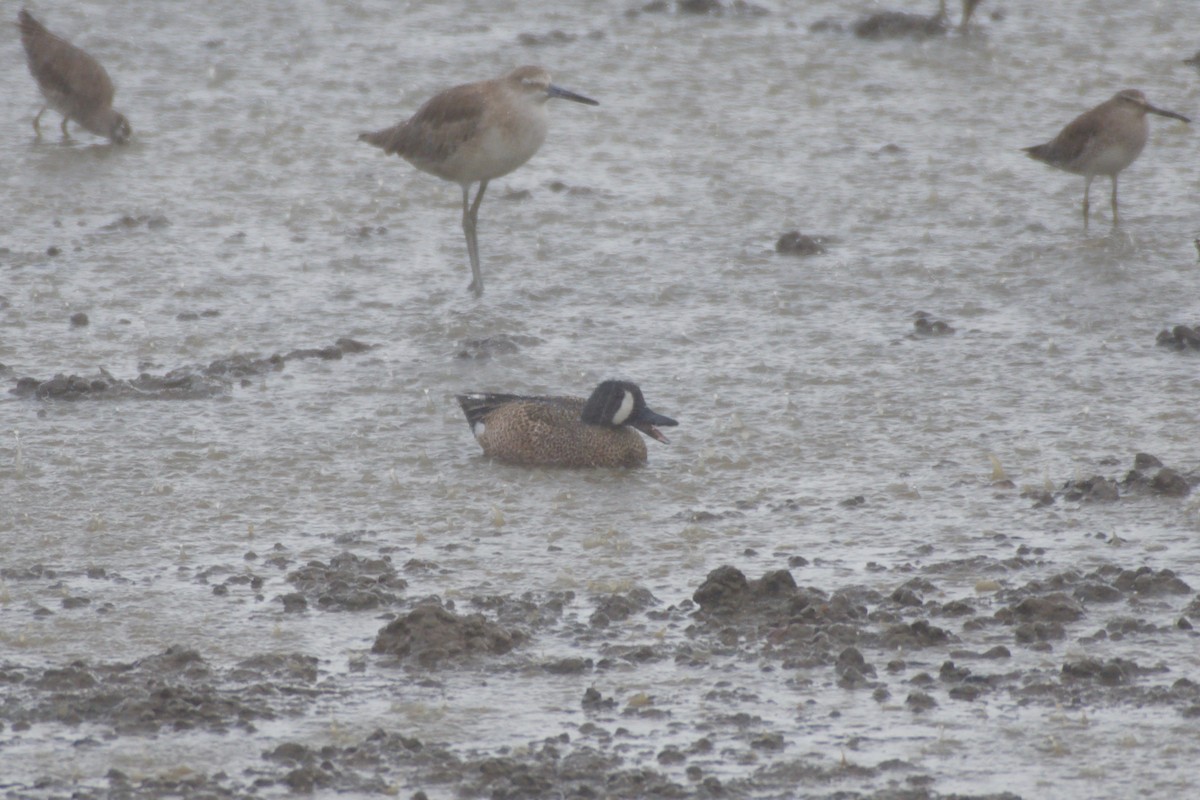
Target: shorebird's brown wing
(1071, 144)
(438, 128)
(62, 68)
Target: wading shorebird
(72, 82)
(600, 431)
(901, 24)
(1102, 141)
(474, 133)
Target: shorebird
(565, 431)
(899, 24)
(476, 132)
(72, 82)
(1102, 141)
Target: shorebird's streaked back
(1102, 141)
(73, 83)
(474, 133)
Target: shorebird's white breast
(507, 140)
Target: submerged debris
(795, 243)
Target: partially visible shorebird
(901, 24)
(1102, 141)
(474, 133)
(600, 431)
(72, 82)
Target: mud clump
(185, 383)
(431, 635)
(795, 243)
(925, 325)
(1148, 477)
(618, 607)
(500, 345)
(1181, 337)
(174, 690)
(346, 583)
(530, 610)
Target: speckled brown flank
(549, 432)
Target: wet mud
(912, 647)
(1148, 477)
(183, 383)
(795, 243)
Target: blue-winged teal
(475, 132)
(1102, 141)
(73, 83)
(600, 431)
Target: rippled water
(638, 243)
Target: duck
(552, 431)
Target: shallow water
(644, 248)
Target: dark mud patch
(795, 243)
(185, 383)
(529, 611)
(433, 636)
(176, 690)
(346, 583)
(848, 637)
(388, 763)
(1147, 478)
(500, 345)
(924, 324)
(128, 222)
(714, 8)
(1180, 337)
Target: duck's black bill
(647, 421)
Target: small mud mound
(500, 345)
(530, 610)
(346, 583)
(185, 383)
(715, 8)
(618, 607)
(174, 690)
(1181, 337)
(431, 635)
(1147, 478)
(925, 325)
(795, 243)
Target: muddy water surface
(927, 527)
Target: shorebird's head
(119, 129)
(1135, 99)
(534, 82)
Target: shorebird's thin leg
(36, 127)
(66, 135)
(1114, 200)
(1087, 186)
(470, 218)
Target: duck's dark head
(616, 403)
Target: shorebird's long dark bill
(1162, 112)
(647, 420)
(566, 94)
